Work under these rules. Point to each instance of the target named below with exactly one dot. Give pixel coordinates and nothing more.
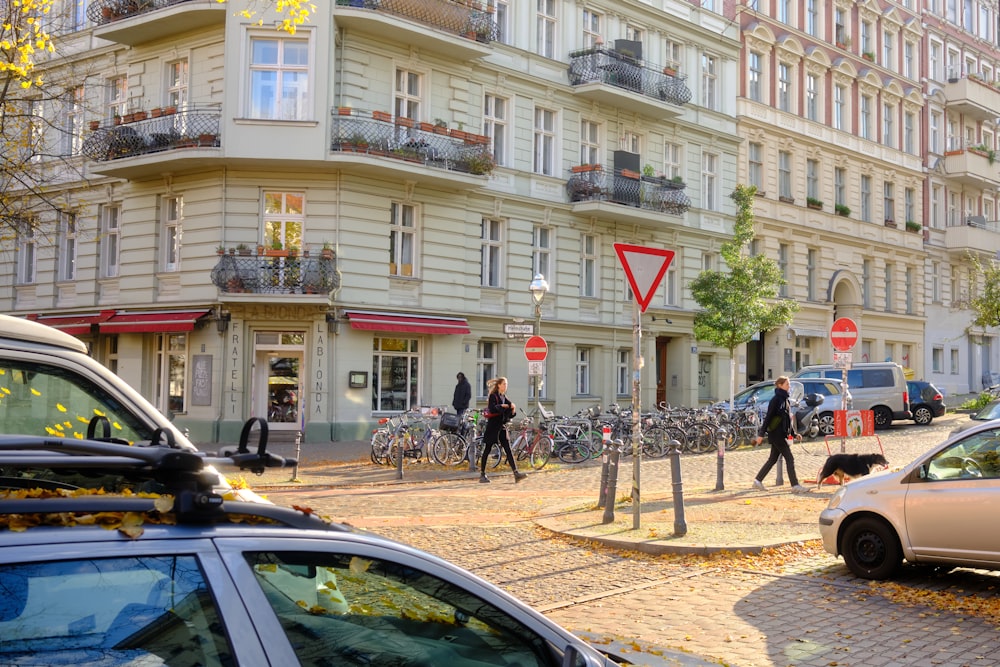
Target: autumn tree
(741, 300)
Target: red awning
(75, 325)
(161, 321)
(406, 323)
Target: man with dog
(779, 427)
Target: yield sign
(844, 334)
(535, 349)
(644, 268)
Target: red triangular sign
(644, 268)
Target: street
(793, 606)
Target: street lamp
(538, 289)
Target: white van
(878, 386)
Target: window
(495, 126)
(909, 122)
(486, 366)
(284, 218)
(755, 77)
(73, 122)
(541, 251)
(623, 372)
(590, 146)
(866, 198)
(67, 246)
(783, 267)
(279, 78)
(812, 97)
(710, 182)
(583, 371)
(588, 265)
(812, 179)
(177, 83)
(709, 82)
(784, 87)
(545, 26)
(955, 366)
(937, 360)
(673, 158)
(785, 174)
(26, 257)
(171, 373)
(110, 231)
(811, 270)
(909, 289)
(173, 213)
(865, 117)
(889, 200)
(866, 283)
(839, 105)
(492, 253)
(349, 595)
(755, 168)
(840, 186)
(402, 239)
(591, 22)
(117, 96)
(889, 269)
(395, 374)
(545, 140)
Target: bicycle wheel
(540, 451)
(448, 449)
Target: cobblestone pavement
(803, 610)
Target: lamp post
(538, 288)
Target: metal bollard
(680, 525)
(612, 486)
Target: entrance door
(280, 381)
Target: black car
(926, 401)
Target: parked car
(876, 386)
(934, 510)
(760, 394)
(926, 402)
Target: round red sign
(535, 349)
(843, 334)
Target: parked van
(878, 386)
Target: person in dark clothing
(499, 411)
(780, 431)
(463, 395)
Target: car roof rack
(185, 474)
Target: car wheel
(883, 417)
(826, 427)
(922, 415)
(871, 549)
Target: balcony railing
(186, 128)
(275, 275)
(106, 11)
(595, 183)
(468, 19)
(601, 64)
(405, 139)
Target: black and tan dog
(843, 466)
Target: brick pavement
(807, 612)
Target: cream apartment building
(430, 157)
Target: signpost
(644, 268)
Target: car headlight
(837, 498)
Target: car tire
(871, 549)
(883, 417)
(922, 415)
(826, 424)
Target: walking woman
(499, 411)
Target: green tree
(742, 301)
(984, 293)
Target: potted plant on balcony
(841, 209)
(814, 203)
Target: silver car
(936, 510)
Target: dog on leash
(844, 466)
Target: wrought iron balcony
(472, 20)
(603, 65)
(595, 183)
(404, 139)
(187, 128)
(275, 275)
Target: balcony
(133, 22)
(459, 30)
(142, 147)
(975, 235)
(377, 144)
(592, 187)
(973, 166)
(609, 77)
(973, 97)
(260, 274)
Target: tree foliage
(984, 293)
(738, 303)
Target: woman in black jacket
(499, 411)
(777, 425)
